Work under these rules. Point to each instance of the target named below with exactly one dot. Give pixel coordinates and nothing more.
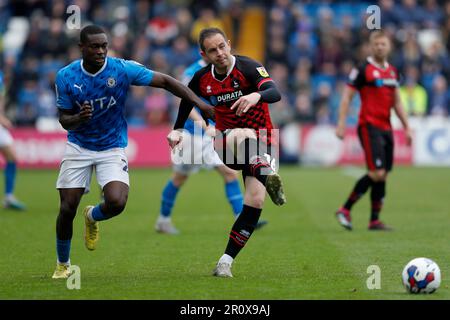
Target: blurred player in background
(377, 83)
(202, 137)
(91, 93)
(240, 89)
(7, 150)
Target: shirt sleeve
(138, 74)
(256, 73)
(356, 78)
(62, 96)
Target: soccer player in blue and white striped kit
(91, 94)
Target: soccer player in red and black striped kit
(377, 83)
(240, 89)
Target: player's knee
(378, 175)
(9, 154)
(229, 175)
(178, 180)
(68, 209)
(255, 199)
(257, 202)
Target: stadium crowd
(310, 48)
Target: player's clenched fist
(174, 138)
(340, 131)
(86, 111)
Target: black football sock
(242, 229)
(361, 187)
(255, 164)
(377, 197)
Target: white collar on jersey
(372, 61)
(93, 74)
(233, 62)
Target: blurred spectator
(277, 51)
(182, 53)
(409, 53)
(157, 107)
(413, 96)
(142, 50)
(353, 113)
(184, 21)
(388, 14)
(409, 13)
(162, 29)
(321, 103)
(135, 110)
(46, 104)
(302, 47)
(281, 112)
(54, 41)
(304, 112)
(432, 15)
(328, 57)
(158, 62)
(280, 75)
(232, 17)
(207, 19)
(27, 110)
(439, 100)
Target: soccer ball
(421, 275)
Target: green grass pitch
(301, 254)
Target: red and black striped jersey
(244, 77)
(376, 86)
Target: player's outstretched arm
(347, 97)
(164, 81)
(70, 121)
(400, 112)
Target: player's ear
(203, 54)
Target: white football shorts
(5, 137)
(196, 152)
(78, 164)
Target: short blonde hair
(378, 34)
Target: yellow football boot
(61, 271)
(91, 230)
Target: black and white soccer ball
(421, 275)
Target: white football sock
(226, 259)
